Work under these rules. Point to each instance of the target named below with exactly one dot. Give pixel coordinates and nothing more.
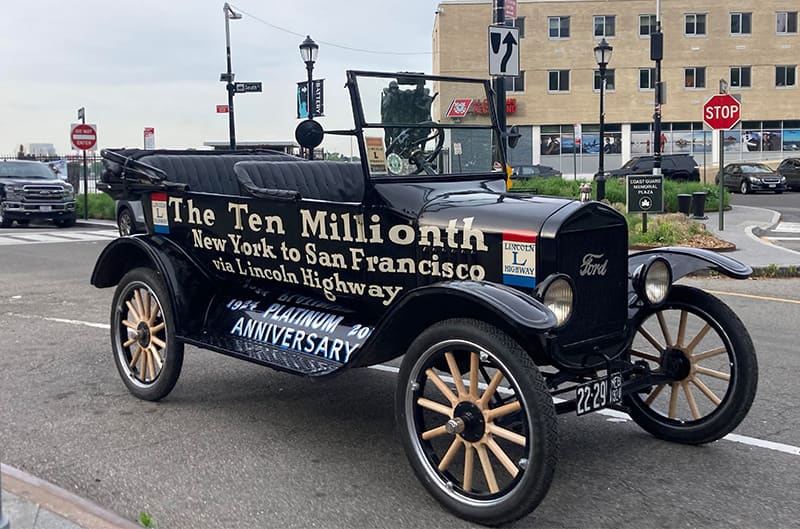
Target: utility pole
(230, 14)
(656, 54)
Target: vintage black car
(506, 308)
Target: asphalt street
(240, 446)
(787, 232)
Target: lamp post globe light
(308, 52)
(602, 54)
(230, 14)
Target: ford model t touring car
(507, 309)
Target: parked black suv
(31, 190)
(673, 166)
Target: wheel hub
(468, 422)
(143, 334)
(675, 364)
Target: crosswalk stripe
(8, 239)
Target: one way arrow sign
(503, 51)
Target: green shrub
(101, 206)
(615, 191)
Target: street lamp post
(308, 52)
(602, 53)
(230, 14)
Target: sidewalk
(32, 503)
(739, 224)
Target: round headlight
(558, 297)
(657, 281)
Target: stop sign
(83, 136)
(722, 112)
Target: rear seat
(206, 173)
(322, 180)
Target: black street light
(230, 14)
(308, 52)
(602, 53)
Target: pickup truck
(30, 190)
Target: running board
(279, 359)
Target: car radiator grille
(43, 193)
(597, 262)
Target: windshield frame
(362, 125)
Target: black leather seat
(322, 180)
(206, 173)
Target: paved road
(240, 446)
(787, 233)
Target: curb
(66, 504)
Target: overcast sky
(156, 63)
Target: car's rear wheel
(66, 222)
(148, 356)
(125, 222)
(709, 358)
(477, 422)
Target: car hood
(32, 181)
(483, 205)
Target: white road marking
(782, 238)
(787, 227)
(613, 415)
(7, 239)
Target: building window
(559, 27)
(694, 77)
(785, 76)
(741, 23)
(558, 81)
(740, 77)
(786, 22)
(519, 23)
(695, 24)
(605, 26)
(647, 79)
(647, 25)
(516, 84)
(609, 80)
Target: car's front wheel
(148, 356)
(744, 187)
(710, 363)
(477, 422)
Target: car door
(790, 168)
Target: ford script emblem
(593, 264)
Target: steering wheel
(411, 146)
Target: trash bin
(699, 205)
(684, 203)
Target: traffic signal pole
(499, 82)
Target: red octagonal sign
(83, 136)
(722, 112)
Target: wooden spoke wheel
(147, 355)
(477, 422)
(709, 359)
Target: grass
(146, 519)
(101, 206)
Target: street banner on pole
(302, 99)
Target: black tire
(65, 223)
(125, 222)
(744, 187)
(5, 222)
(521, 437)
(23, 222)
(148, 356)
(723, 342)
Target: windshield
(26, 170)
(755, 168)
(416, 124)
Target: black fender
(521, 316)
(190, 287)
(684, 261)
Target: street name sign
(247, 87)
(503, 51)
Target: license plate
(45, 208)
(598, 393)
(772, 185)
